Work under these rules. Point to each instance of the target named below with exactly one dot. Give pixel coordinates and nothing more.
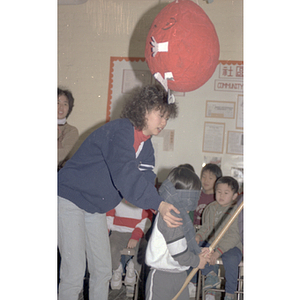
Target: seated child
(209, 174)
(215, 217)
(171, 251)
(127, 224)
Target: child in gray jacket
(215, 217)
(172, 251)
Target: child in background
(171, 251)
(127, 224)
(209, 174)
(215, 217)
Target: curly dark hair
(146, 99)
(69, 96)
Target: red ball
(193, 46)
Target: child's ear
(235, 196)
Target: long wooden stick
(211, 247)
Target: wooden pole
(211, 247)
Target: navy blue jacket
(105, 169)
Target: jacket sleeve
(123, 167)
(147, 162)
(230, 239)
(177, 244)
(142, 227)
(205, 228)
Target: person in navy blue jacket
(116, 161)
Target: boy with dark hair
(209, 174)
(215, 217)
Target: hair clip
(171, 98)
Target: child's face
(208, 180)
(155, 122)
(224, 194)
(62, 107)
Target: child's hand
(213, 258)
(204, 258)
(197, 238)
(132, 243)
(206, 250)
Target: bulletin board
(223, 137)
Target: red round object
(193, 45)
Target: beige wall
(88, 34)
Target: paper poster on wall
(240, 112)
(168, 139)
(235, 142)
(218, 109)
(213, 137)
(230, 77)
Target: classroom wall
(90, 33)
